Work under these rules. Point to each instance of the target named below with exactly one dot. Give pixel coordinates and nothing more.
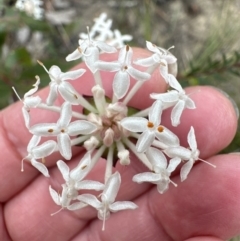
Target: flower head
(39, 152)
(107, 204)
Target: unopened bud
(108, 137)
(91, 143)
(123, 156)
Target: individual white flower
(158, 57)
(179, 99)
(190, 155)
(29, 101)
(150, 129)
(161, 171)
(64, 200)
(124, 69)
(59, 84)
(63, 129)
(107, 204)
(39, 152)
(89, 49)
(74, 177)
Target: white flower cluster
(105, 130)
(101, 30)
(31, 7)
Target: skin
(205, 207)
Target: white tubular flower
(74, 177)
(30, 101)
(59, 84)
(108, 196)
(64, 200)
(185, 154)
(162, 172)
(63, 129)
(39, 152)
(123, 66)
(150, 129)
(158, 57)
(175, 98)
(89, 49)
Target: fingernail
(231, 100)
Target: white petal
(76, 206)
(156, 157)
(174, 162)
(89, 185)
(34, 89)
(54, 196)
(32, 101)
(138, 75)
(172, 81)
(65, 115)
(192, 139)
(90, 200)
(74, 55)
(82, 169)
(81, 127)
(177, 112)
(45, 129)
(64, 169)
(145, 141)
(145, 62)
(52, 96)
(147, 177)
(186, 169)
(54, 71)
(179, 151)
(64, 145)
(33, 142)
(41, 167)
(72, 75)
(121, 84)
(164, 70)
(26, 116)
(45, 149)
(162, 186)
(155, 113)
(105, 47)
(171, 96)
(91, 58)
(118, 206)
(152, 47)
(125, 56)
(68, 93)
(111, 188)
(167, 137)
(134, 124)
(108, 66)
(190, 103)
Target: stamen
(50, 130)
(160, 129)
(127, 47)
(16, 93)
(57, 211)
(83, 167)
(207, 162)
(43, 160)
(150, 125)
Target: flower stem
(58, 109)
(109, 165)
(141, 156)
